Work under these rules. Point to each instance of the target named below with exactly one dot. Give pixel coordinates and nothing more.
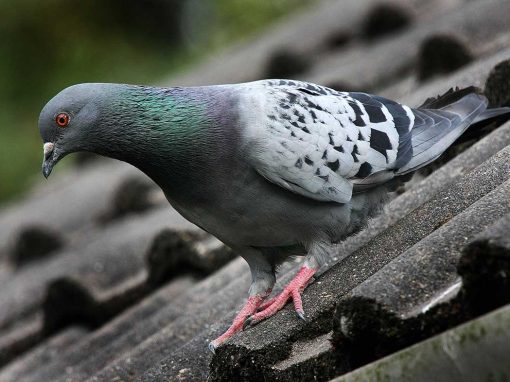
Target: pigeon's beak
(49, 158)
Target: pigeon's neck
(173, 135)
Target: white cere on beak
(48, 148)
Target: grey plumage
(272, 168)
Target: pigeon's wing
(321, 143)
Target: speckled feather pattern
(319, 142)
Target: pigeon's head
(67, 119)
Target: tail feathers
(435, 129)
(448, 98)
(492, 113)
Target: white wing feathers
(320, 143)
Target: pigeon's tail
(440, 121)
(491, 113)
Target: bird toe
(212, 347)
(248, 322)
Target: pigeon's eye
(62, 119)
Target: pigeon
(272, 168)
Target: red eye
(62, 119)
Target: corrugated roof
(101, 280)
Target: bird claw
(212, 347)
(247, 323)
(249, 314)
(247, 310)
(292, 291)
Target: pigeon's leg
(293, 290)
(263, 279)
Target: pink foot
(292, 290)
(248, 309)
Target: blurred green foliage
(48, 45)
